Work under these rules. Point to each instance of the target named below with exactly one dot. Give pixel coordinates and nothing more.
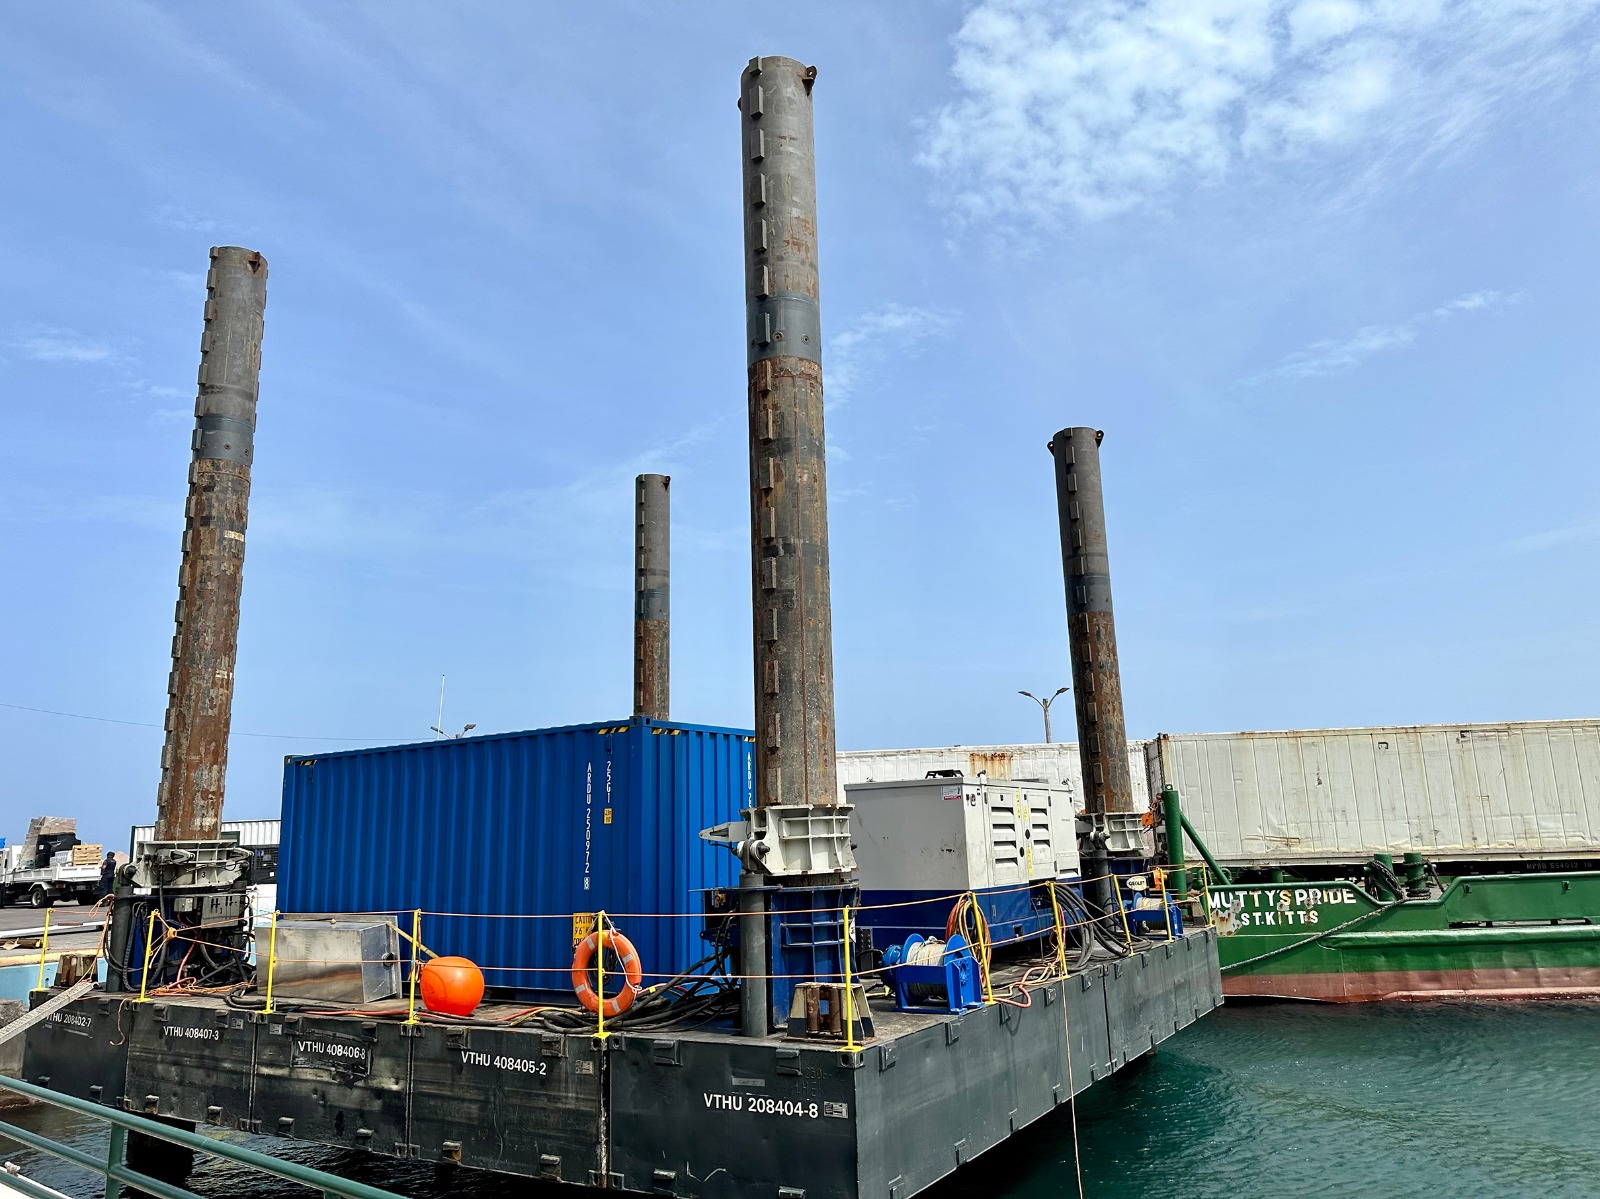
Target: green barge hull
(1491, 935)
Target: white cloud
(1331, 356)
(1472, 302)
(185, 220)
(1095, 107)
(59, 345)
(1573, 534)
(893, 330)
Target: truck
(40, 886)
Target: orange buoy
(622, 998)
(451, 986)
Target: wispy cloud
(891, 331)
(1332, 356)
(1549, 539)
(567, 529)
(185, 220)
(61, 345)
(1090, 108)
(138, 511)
(118, 373)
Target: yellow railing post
(981, 929)
(600, 972)
(1061, 932)
(1166, 909)
(272, 957)
(1116, 895)
(44, 947)
(416, 963)
(149, 948)
(850, 1042)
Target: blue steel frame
(805, 939)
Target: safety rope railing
(113, 1168)
(985, 948)
(158, 933)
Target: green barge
(1394, 862)
(1509, 936)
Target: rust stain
(651, 679)
(996, 765)
(1097, 698)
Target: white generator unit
(954, 834)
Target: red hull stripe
(1548, 982)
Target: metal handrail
(122, 1123)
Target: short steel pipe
(652, 613)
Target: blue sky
(1322, 269)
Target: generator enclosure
(921, 841)
(510, 843)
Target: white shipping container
(1453, 792)
(253, 834)
(1056, 763)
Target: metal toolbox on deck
(341, 959)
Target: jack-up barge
(859, 994)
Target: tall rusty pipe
(652, 543)
(1091, 630)
(194, 758)
(788, 485)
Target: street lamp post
(1045, 704)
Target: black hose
(1099, 923)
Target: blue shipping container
(549, 823)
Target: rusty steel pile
(652, 602)
(194, 759)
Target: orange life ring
(632, 973)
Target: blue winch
(1148, 913)
(933, 975)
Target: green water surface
(1402, 1101)
(1405, 1101)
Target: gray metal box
(344, 959)
(957, 834)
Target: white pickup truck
(46, 885)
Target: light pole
(1045, 704)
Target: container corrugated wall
(546, 824)
(1462, 792)
(1057, 763)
